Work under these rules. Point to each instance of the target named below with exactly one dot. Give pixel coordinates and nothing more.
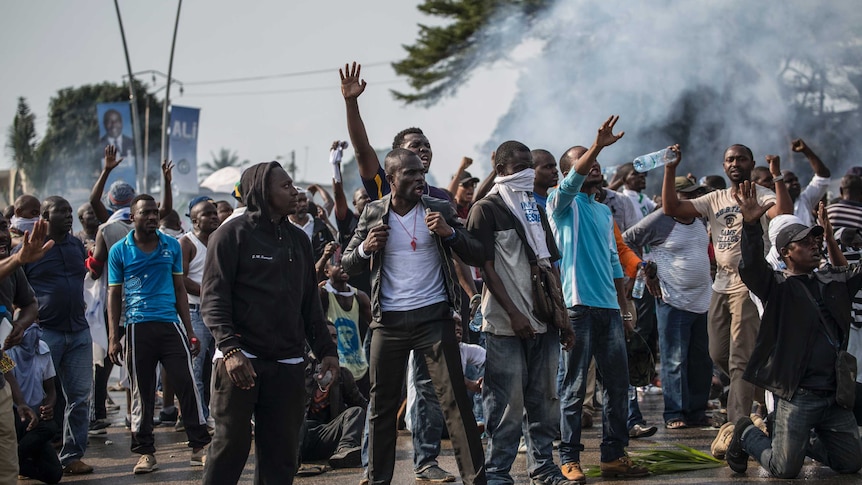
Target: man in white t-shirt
(733, 319)
(805, 201)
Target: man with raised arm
(402, 241)
(733, 319)
(121, 193)
(806, 322)
(593, 288)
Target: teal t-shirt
(147, 278)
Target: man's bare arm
(453, 185)
(670, 202)
(111, 162)
(351, 88)
(189, 252)
(167, 204)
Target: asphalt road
(113, 461)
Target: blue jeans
(635, 416)
(204, 357)
(519, 377)
(72, 353)
(599, 333)
(427, 417)
(686, 369)
(837, 442)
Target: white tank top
(196, 265)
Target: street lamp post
(136, 125)
(168, 90)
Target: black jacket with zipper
(259, 289)
(790, 319)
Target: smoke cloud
(703, 74)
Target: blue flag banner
(184, 148)
(115, 128)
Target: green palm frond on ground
(660, 462)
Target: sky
(48, 46)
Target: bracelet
(627, 316)
(452, 237)
(780, 178)
(231, 352)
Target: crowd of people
(266, 322)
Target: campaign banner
(184, 148)
(115, 128)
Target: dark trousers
(37, 459)
(277, 402)
(148, 344)
(322, 440)
(101, 374)
(647, 324)
(430, 331)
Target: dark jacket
(376, 213)
(259, 289)
(790, 319)
(342, 395)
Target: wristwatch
(780, 178)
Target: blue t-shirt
(147, 278)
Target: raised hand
(351, 84)
(34, 246)
(746, 197)
(167, 171)
(798, 145)
(466, 162)
(676, 150)
(605, 136)
(111, 160)
(774, 162)
(823, 220)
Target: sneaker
(642, 431)
(719, 445)
(180, 426)
(169, 414)
(77, 467)
(573, 472)
(346, 458)
(146, 464)
(623, 467)
(736, 457)
(586, 420)
(760, 423)
(553, 480)
(434, 474)
(199, 458)
(98, 426)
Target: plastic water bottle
(476, 321)
(652, 160)
(640, 282)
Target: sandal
(675, 424)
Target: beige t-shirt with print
(725, 223)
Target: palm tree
(21, 141)
(225, 158)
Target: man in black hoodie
(259, 299)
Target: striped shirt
(845, 213)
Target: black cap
(466, 178)
(795, 233)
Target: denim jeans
(427, 417)
(204, 357)
(519, 378)
(599, 333)
(686, 369)
(837, 445)
(635, 416)
(72, 353)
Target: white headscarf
(775, 226)
(516, 190)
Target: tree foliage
(22, 143)
(443, 56)
(224, 158)
(70, 147)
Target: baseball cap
(197, 200)
(466, 178)
(237, 192)
(795, 233)
(685, 185)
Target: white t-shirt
(411, 277)
(643, 204)
(725, 223)
(808, 199)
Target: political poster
(184, 148)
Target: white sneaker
(146, 464)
